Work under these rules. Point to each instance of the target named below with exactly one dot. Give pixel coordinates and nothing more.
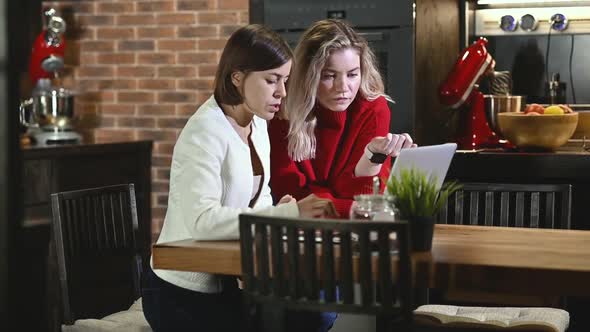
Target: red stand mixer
(50, 111)
(460, 89)
(47, 56)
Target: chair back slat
(262, 264)
(474, 208)
(328, 256)
(404, 275)
(278, 283)
(293, 262)
(519, 210)
(328, 285)
(247, 259)
(117, 220)
(550, 210)
(444, 214)
(510, 205)
(536, 211)
(565, 206)
(94, 231)
(504, 208)
(310, 271)
(459, 209)
(366, 279)
(489, 209)
(346, 283)
(385, 286)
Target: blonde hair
(316, 44)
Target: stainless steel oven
(542, 46)
(387, 25)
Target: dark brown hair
(251, 48)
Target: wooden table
(511, 260)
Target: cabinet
(70, 167)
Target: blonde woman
(333, 134)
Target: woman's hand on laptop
(391, 144)
(378, 149)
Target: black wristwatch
(375, 158)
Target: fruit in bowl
(541, 132)
(554, 109)
(536, 109)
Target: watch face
(378, 158)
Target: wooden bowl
(583, 128)
(544, 132)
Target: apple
(534, 108)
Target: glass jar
(373, 207)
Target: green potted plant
(418, 200)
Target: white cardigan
(211, 183)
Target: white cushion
(507, 318)
(131, 320)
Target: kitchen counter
(566, 166)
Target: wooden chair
(510, 205)
(94, 232)
(275, 250)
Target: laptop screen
(432, 160)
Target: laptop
(433, 160)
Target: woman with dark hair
(221, 168)
(333, 135)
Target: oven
(386, 25)
(541, 46)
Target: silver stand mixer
(49, 114)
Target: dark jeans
(311, 321)
(168, 307)
(298, 321)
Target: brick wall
(142, 68)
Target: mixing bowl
(496, 104)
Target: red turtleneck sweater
(341, 140)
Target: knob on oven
(558, 22)
(528, 22)
(508, 23)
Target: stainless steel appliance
(541, 44)
(49, 115)
(387, 25)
